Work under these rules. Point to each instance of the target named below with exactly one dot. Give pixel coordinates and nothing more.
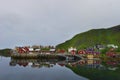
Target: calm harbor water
(35, 70)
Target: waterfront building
(72, 50)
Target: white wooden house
(71, 49)
(112, 45)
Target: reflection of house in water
(93, 63)
(34, 63)
(90, 63)
(112, 64)
(109, 65)
(42, 64)
(37, 63)
(20, 63)
(112, 68)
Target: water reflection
(86, 63)
(89, 63)
(36, 63)
(34, 69)
(106, 69)
(99, 64)
(48, 63)
(32, 62)
(39, 63)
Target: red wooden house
(22, 50)
(81, 52)
(111, 54)
(73, 52)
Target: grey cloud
(50, 22)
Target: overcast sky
(50, 22)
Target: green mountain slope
(93, 37)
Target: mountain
(92, 37)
